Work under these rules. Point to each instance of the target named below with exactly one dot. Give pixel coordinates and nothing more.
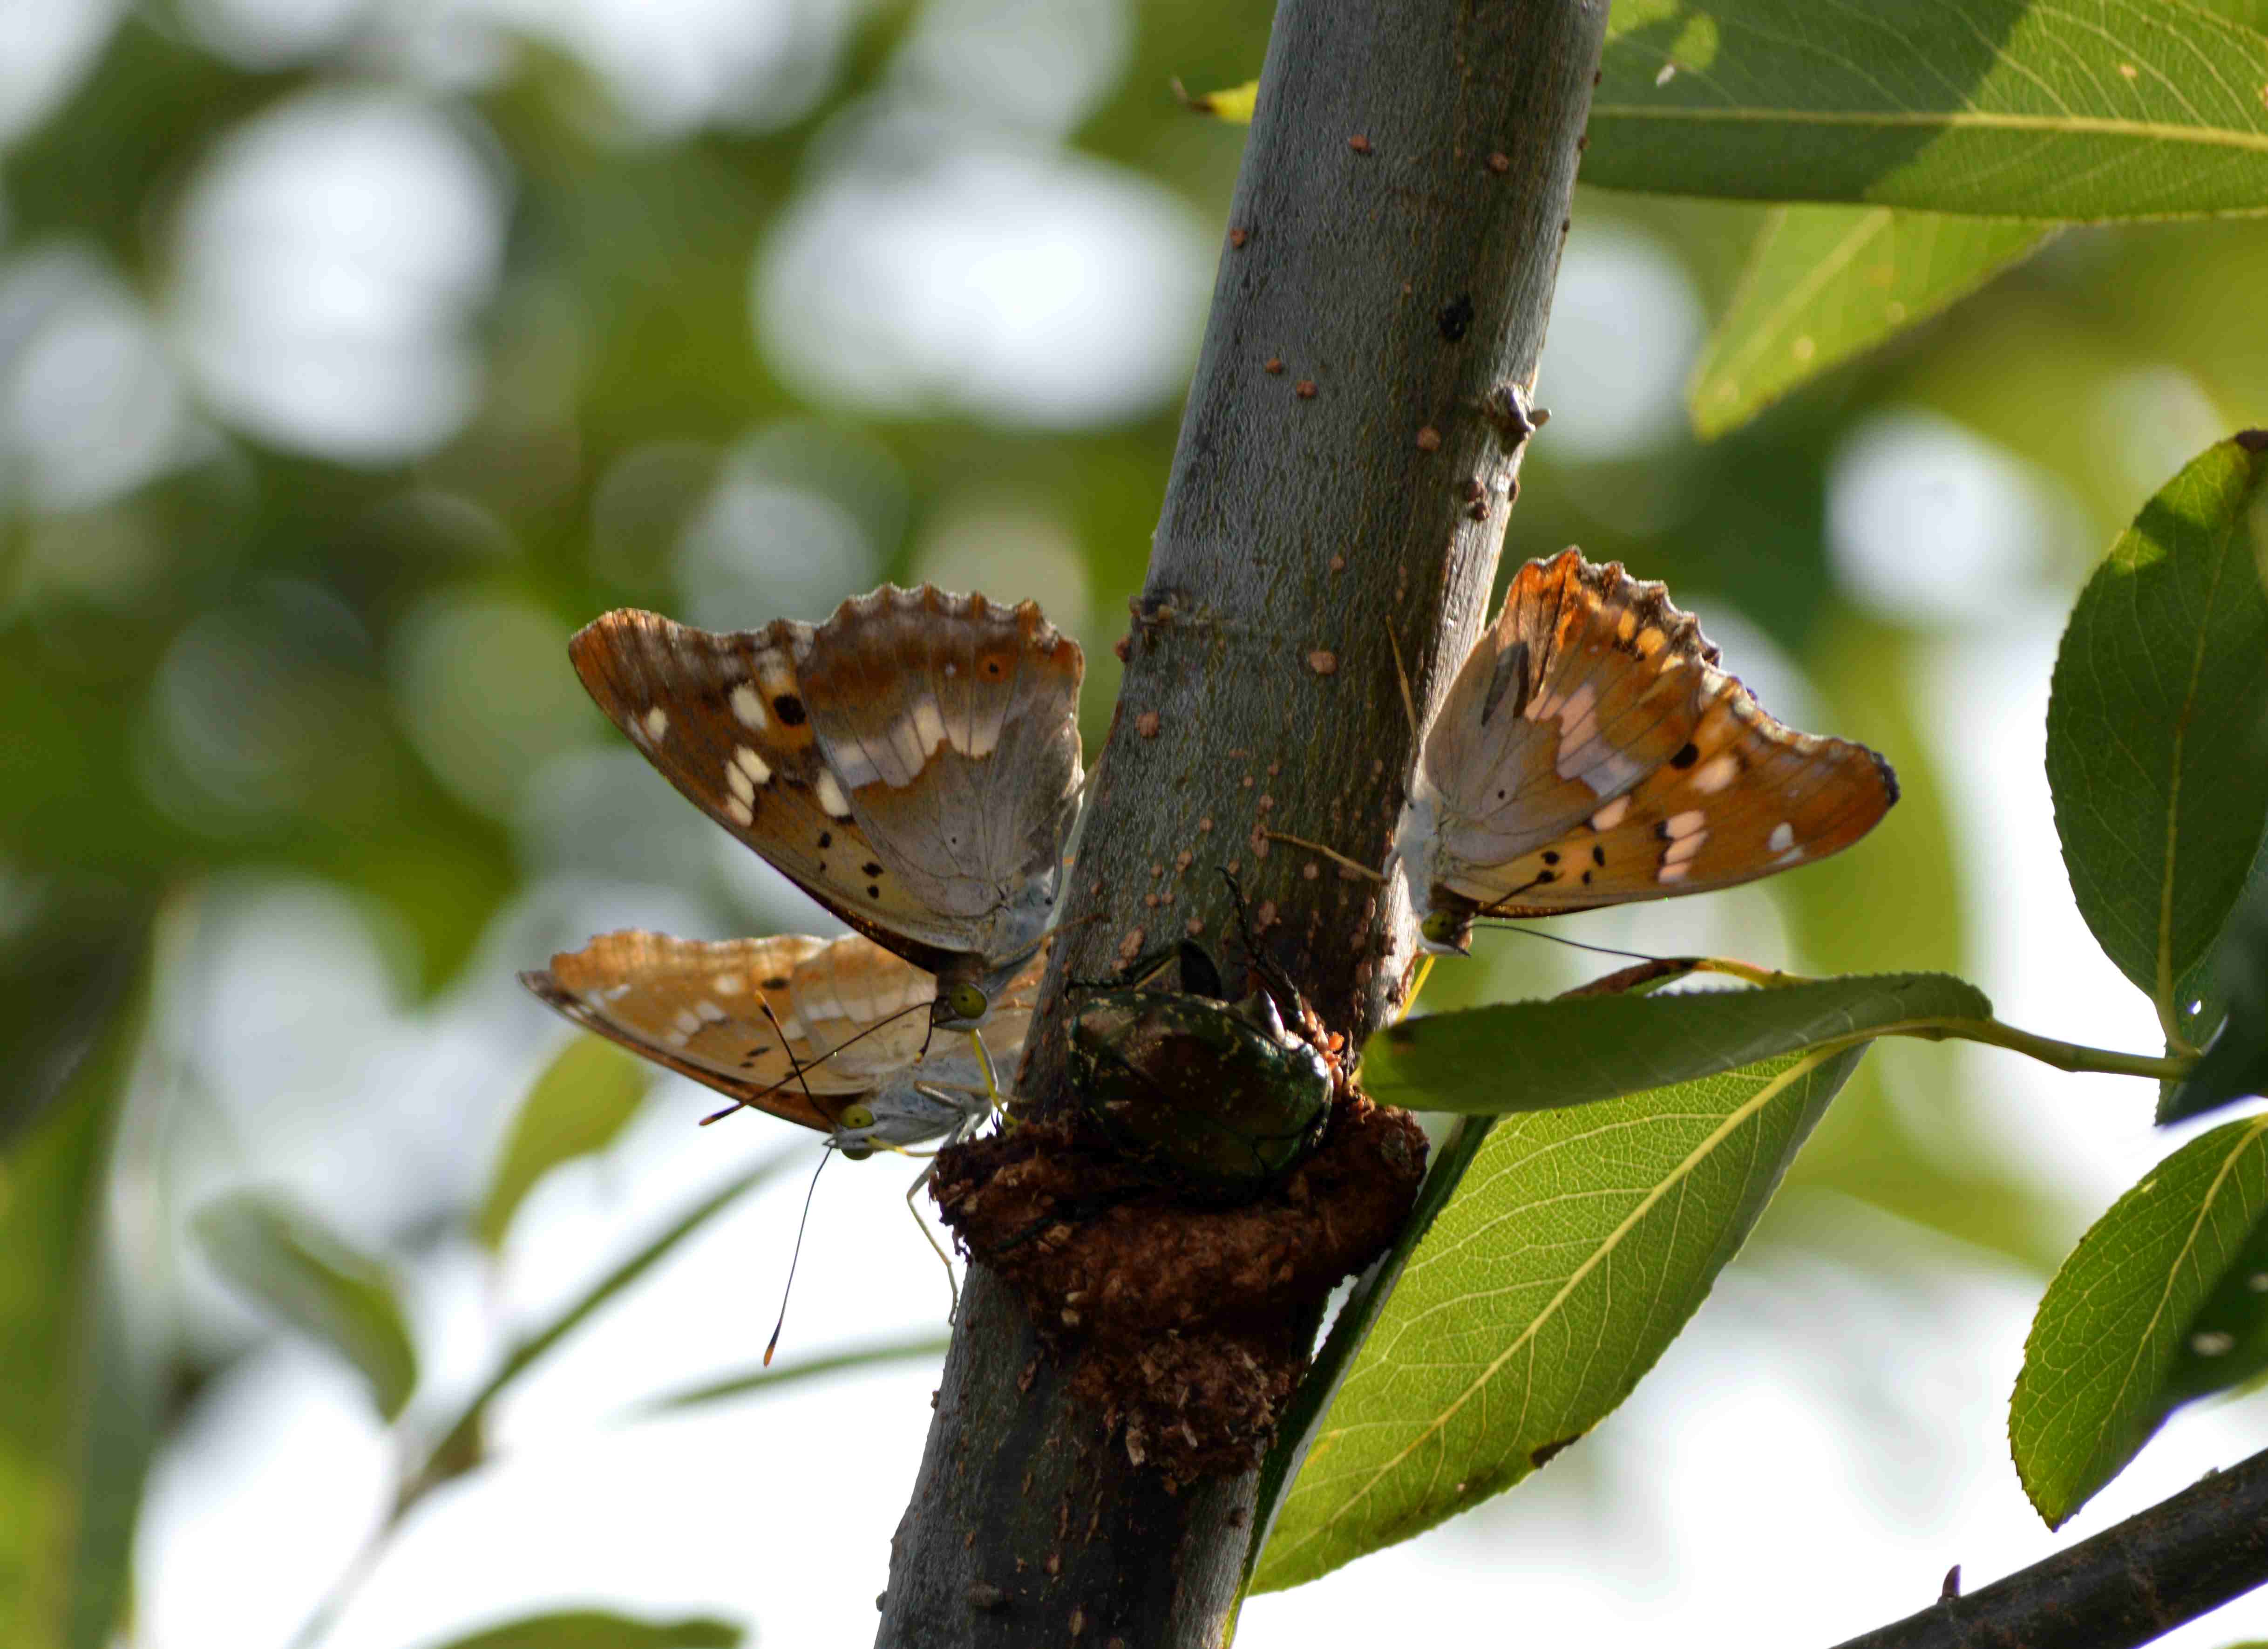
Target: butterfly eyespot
(858, 1117)
(968, 1002)
(790, 710)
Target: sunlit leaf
(2094, 109)
(1824, 284)
(1539, 1055)
(582, 1101)
(1233, 104)
(77, 1421)
(2158, 721)
(2119, 1339)
(1577, 1247)
(599, 1628)
(2236, 1064)
(312, 1280)
(1366, 1303)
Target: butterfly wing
(856, 1003)
(692, 1006)
(1591, 752)
(864, 759)
(953, 725)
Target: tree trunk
(1347, 463)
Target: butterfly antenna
(1562, 939)
(772, 1344)
(796, 1071)
(1332, 853)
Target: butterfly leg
(914, 1212)
(993, 1095)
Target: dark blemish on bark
(1274, 363)
(1304, 388)
(1429, 439)
(1456, 319)
(1359, 143)
(1500, 163)
(1238, 236)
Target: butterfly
(913, 763)
(1591, 752)
(841, 1049)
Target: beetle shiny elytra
(1217, 1096)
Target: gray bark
(1386, 275)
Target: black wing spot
(1550, 855)
(1587, 879)
(776, 984)
(790, 710)
(1542, 877)
(873, 892)
(1687, 756)
(826, 840)
(872, 869)
(1598, 856)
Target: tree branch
(1341, 472)
(2126, 1586)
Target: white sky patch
(1626, 326)
(1929, 522)
(939, 272)
(330, 257)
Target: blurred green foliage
(256, 653)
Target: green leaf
(2235, 1065)
(579, 1105)
(2115, 1343)
(1232, 104)
(1577, 1244)
(1351, 1329)
(598, 1629)
(920, 1348)
(2085, 110)
(1543, 1055)
(310, 1279)
(77, 1414)
(462, 1445)
(2158, 721)
(1824, 284)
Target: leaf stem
(2070, 1056)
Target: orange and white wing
(692, 1006)
(913, 763)
(1591, 752)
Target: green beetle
(1216, 1094)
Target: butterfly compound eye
(858, 1117)
(1444, 929)
(968, 1002)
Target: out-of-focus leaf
(76, 1419)
(2158, 721)
(1824, 284)
(2235, 1065)
(917, 1349)
(584, 1098)
(1233, 104)
(462, 1446)
(2105, 1361)
(2095, 109)
(314, 1281)
(599, 1628)
(1577, 1247)
(1541, 1055)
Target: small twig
(2133, 1582)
